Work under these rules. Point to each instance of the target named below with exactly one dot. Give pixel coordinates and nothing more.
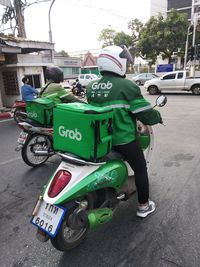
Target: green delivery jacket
(125, 98)
(58, 94)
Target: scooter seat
(113, 155)
(36, 124)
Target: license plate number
(22, 138)
(49, 218)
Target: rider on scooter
(125, 97)
(54, 90)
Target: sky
(77, 24)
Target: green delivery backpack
(40, 110)
(83, 130)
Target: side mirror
(161, 101)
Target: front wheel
(196, 90)
(153, 90)
(36, 142)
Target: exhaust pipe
(43, 153)
(99, 216)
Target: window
(34, 80)
(81, 76)
(142, 75)
(169, 76)
(87, 77)
(180, 75)
(150, 76)
(70, 71)
(10, 82)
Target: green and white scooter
(81, 195)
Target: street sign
(165, 68)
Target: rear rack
(78, 160)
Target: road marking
(9, 161)
(6, 120)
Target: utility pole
(50, 32)
(20, 18)
(195, 17)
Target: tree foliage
(63, 53)
(163, 36)
(159, 35)
(107, 37)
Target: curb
(5, 115)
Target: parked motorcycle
(82, 194)
(18, 110)
(78, 93)
(34, 136)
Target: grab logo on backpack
(32, 114)
(96, 86)
(71, 134)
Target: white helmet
(114, 58)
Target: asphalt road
(169, 237)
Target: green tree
(122, 38)
(107, 37)
(63, 53)
(163, 36)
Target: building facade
(157, 7)
(184, 6)
(19, 58)
(163, 6)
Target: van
(85, 79)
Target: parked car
(85, 79)
(174, 81)
(141, 78)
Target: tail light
(60, 180)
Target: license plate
(22, 137)
(49, 217)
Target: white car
(174, 81)
(85, 79)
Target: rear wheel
(36, 142)
(73, 228)
(196, 90)
(153, 90)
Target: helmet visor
(126, 54)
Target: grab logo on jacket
(98, 86)
(71, 134)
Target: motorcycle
(34, 136)
(81, 194)
(18, 110)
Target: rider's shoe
(143, 212)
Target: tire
(18, 116)
(153, 90)
(62, 242)
(138, 82)
(196, 89)
(33, 143)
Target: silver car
(141, 78)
